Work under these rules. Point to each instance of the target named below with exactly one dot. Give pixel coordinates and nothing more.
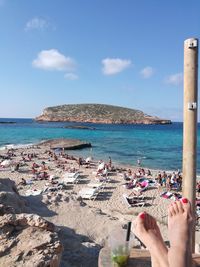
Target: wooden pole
(190, 124)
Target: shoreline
(128, 165)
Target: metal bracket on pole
(192, 105)
(192, 43)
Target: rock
(80, 127)
(7, 122)
(45, 199)
(24, 237)
(66, 198)
(65, 143)
(10, 199)
(91, 248)
(53, 198)
(28, 240)
(5, 209)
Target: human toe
(186, 205)
(139, 223)
(179, 205)
(173, 208)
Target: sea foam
(15, 146)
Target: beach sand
(83, 225)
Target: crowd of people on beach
(140, 177)
(133, 177)
(137, 177)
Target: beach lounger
(88, 193)
(70, 179)
(135, 195)
(71, 174)
(103, 179)
(33, 192)
(172, 196)
(4, 168)
(134, 202)
(153, 183)
(97, 185)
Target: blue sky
(121, 52)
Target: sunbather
(135, 193)
(129, 185)
(102, 172)
(22, 182)
(179, 228)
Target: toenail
(184, 200)
(142, 216)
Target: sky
(127, 53)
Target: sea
(156, 146)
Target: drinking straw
(128, 231)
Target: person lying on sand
(179, 229)
(22, 182)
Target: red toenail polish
(142, 216)
(184, 200)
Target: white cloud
(147, 72)
(114, 65)
(53, 60)
(175, 79)
(36, 24)
(71, 76)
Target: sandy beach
(83, 225)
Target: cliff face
(98, 113)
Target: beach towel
(166, 195)
(144, 183)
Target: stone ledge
(68, 144)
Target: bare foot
(179, 231)
(147, 230)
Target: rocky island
(98, 113)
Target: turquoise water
(158, 146)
